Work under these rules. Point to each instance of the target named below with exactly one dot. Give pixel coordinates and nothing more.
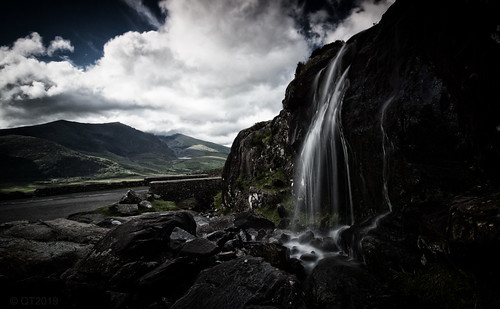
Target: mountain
(194, 155)
(26, 158)
(188, 147)
(65, 149)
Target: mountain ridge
(65, 149)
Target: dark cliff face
(425, 77)
(420, 116)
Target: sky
(206, 69)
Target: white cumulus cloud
(211, 69)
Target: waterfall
(322, 169)
(385, 152)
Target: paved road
(61, 206)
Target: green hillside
(194, 155)
(64, 152)
(185, 146)
(27, 159)
(140, 152)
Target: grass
(194, 165)
(158, 206)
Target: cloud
(144, 12)
(361, 17)
(211, 69)
(59, 44)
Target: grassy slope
(64, 152)
(114, 141)
(24, 159)
(202, 155)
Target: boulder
(131, 197)
(243, 283)
(179, 237)
(125, 209)
(46, 247)
(338, 283)
(306, 237)
(145, 205)
(275, 254)
(209, 225)
(247, 220)
(172, 278)
(199, 248)
(145, 237)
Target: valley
(64, 153)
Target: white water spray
(318, 177)
(386, 144)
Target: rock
(474, 228)
(210, 225)
(145, 237)
(24, 258)
(247, 220)
(317, 243)
(96, 219)
(131, 197)
(220, 237)
(127, 277)
(199, 248)
(179, 237)
(145, 205)
(241, 283)
(337, 283)
(125, 209)
(282, 211)
(275, 254)
(306, 237)
(284, 223)
(309, 257)
(46, 247)
(329, 245)
(172, 278)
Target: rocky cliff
(418, 115)
(417, 140)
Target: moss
(272, 180)
(161, 205)
(261, 137)
(270, 213)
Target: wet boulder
(243, 283)
(247, 220)
(146, 238)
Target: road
(60, 206)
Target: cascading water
(320, 170)
(323, 183)
(385, 152)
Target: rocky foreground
(183, 259)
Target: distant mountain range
(64, 149)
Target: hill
(135, 150)
(26, 158)
(63, 151)
(189, 147)
(194, 155)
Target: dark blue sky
(90, 24)
(87, 24)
